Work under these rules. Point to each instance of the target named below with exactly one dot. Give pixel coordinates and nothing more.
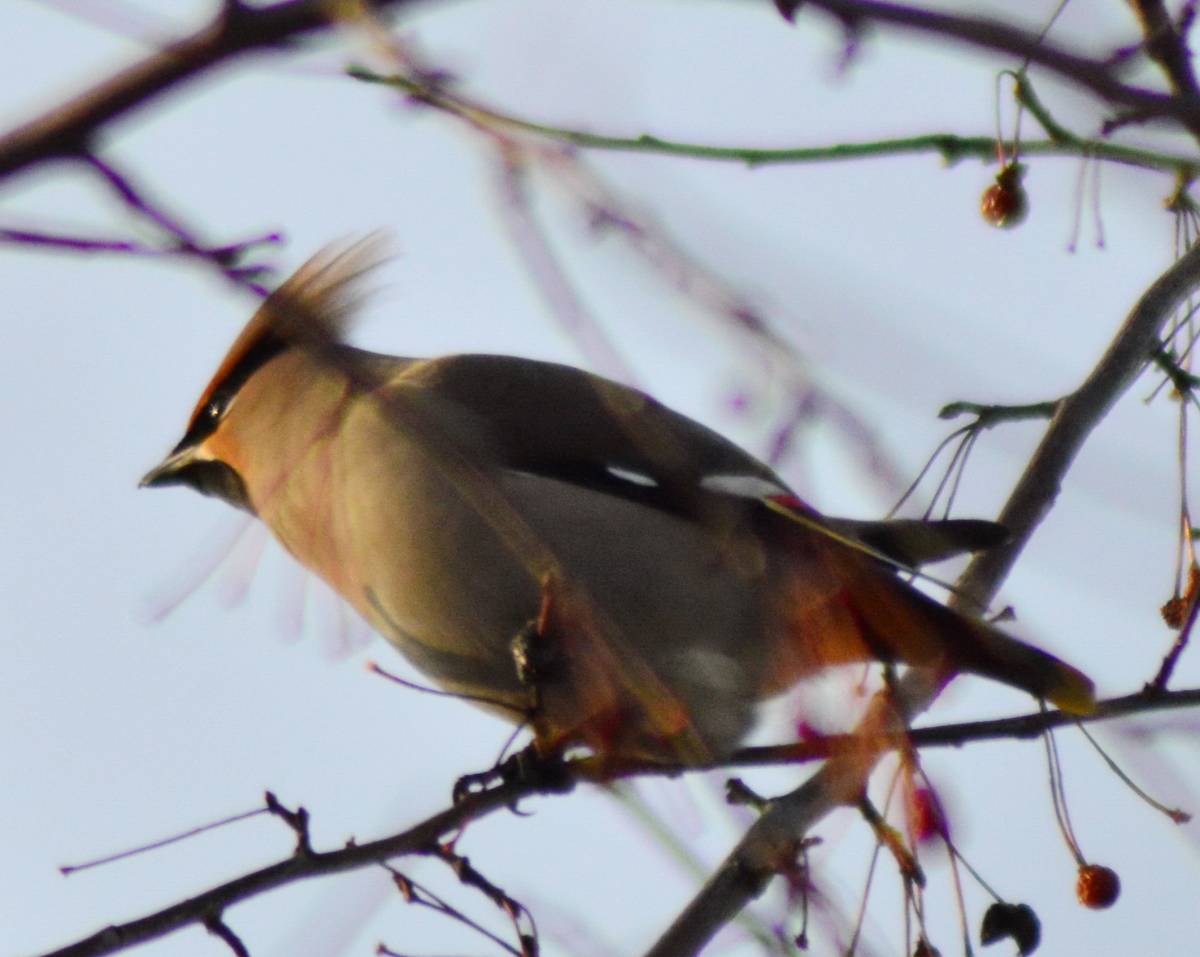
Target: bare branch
(1019, 727)
(1167, 47)
(1100, 77)
(1076, 416)
(301, 866)
(68, 130)
(216, 926)
(424, 838)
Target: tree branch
(300, 866)
(1015, 728)
(1078, 413)
(1100, 77)
(68, 130)
(950, 147)
(1167, 47)
(306, 863)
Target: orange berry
(1174, 612)
(1098, 886)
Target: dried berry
(1098, 886)
(1174, 611)
(925, 817)
(1005, 203)
(1017, 921)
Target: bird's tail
(974, 645)
(840, 605)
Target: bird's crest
(314, 307)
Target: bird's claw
(527, 771)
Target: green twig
(1024, 94)
(987, 416)
(950, 147)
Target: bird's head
(276, 386)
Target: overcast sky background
(120, 728)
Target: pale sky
(122, 727)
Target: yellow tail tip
(1075, 695)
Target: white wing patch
(742, 486)
(634, 478)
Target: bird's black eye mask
(208, 476)
(220, 397)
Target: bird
(560, 548)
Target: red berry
(1005, 203)
(925, 815)
(1098, 886)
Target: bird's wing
(560, 422)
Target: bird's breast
(660, 617)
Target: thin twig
(68, 869)
(227, 258)
(1176, 815)
(216, 926)
(199, 908)
(421, 896)
(563, 302)
(1016, 728)
(512, 908)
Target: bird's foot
(526, 772)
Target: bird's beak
(189, 465)
(171, 470)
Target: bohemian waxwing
(561, 548)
